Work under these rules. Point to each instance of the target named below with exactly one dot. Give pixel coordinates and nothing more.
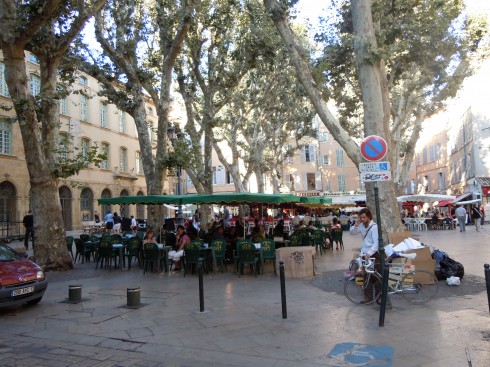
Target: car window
(7, 254)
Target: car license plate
(19, 292)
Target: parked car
(21, 280)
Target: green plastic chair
(151, 255)
(294, 240)
(236, 252)
(247, 255)
(219, 247)
(337, 237)
(82, 251)
(268, 248)
(318, 237)
(69, 245)
(192, 253)
(133, 249)
(105, 254)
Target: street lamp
(173, 137)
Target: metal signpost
(373, 149)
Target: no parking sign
(373, 148)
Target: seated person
(279, 229)
(149, 237)
(311, 226)
(192, 232)
(218, 234)
(258, 231)
(182, 239)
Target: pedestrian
(28, 222)
(477, 215)
(461, 216)
(109, 221)
(370, 247)
(134, 224)
(181, 240)
(482, 210)
(117, 222)
(96, 217)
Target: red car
(21, 281)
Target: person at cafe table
(149, 238)
(181, 240)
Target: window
(328, 187)
(308, 153)
(85, 149)
(35, 85)
(339, 153)
(33, 59)
(310, 181)
(289, 180)
(83, 80)
(432, 153)
(424, 152)
(103, 115)
(215, 178)
(4, 91)
(441, 181)
(105, 149)
(63, 106)
(87, 200)
(123, 160)
(150, 130)
(341, 182)
(325, 160)
(322, 136)
(138, 163)
(426, 184)
(122, 122)
(83, 107)
(63, 146)
(229, 177)
(438, 151)
(5, 137)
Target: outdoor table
(165, 250)
(120, 248)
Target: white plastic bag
(453, 281)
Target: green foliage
(423, 45)
(79, 160)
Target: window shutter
(303, 155)
(318, 181)
(312, 153)
(304, 181)
(220, 175)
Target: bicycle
(416, 286)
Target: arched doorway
(140, 209)
(8, 202)
(106, 194)
(65, 199)
(125, 207)
(87, 204)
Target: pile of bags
(446, 267)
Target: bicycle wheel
(418, 292)
(354, 291)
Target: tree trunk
(376, 120)
(50, 246)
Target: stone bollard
(134, 297)
(74, 293)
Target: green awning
(315, 200)
(220, 198)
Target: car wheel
(34, 301)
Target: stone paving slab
(242, 325)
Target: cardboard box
(396, 237)
(423, 261)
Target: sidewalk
(242, 323)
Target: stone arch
(66, 206)
(8, 202)
(87, 204)
(106, 194)
(140, 209)
(125, 207)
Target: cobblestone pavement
(242, 323)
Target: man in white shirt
(133, 223)
(369, 232)
(461, 215)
